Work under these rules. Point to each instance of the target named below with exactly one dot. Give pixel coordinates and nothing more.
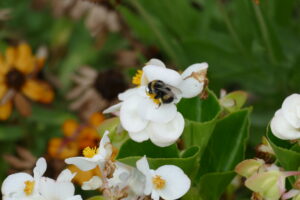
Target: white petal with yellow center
(289, 109)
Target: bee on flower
(18, 81)
(149, 110)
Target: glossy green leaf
(224, 151)
(188, 161)
(227, 145)
(201, 117)
(131, 148)
(212, 185)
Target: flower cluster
(120, 181)
(18, 70)
(149, 111)
(286, 122)
(22, 186)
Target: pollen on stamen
(89, 152)
(29, 186)
(152, 97)
(137, 78)
(158, 182)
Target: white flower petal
(143, 166)
(128, 93)
(94, 183)
(155, 195)
(65, 176)
(113, 108)
(166, 75)
(105, 147)
(282, 129)
(40, 168)
(177, 182)
(166, 134)
(14, 184)
(290, 108)
(198, 67)
(129, 115)
(140, 136)
(190, 87)
(150, 111)
(84, 164)
(156, 62)
(51, 189)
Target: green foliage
(131, 151)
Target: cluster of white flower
(126, 182)
(117, 180)
(149, 111)
(286, 122)
(22, 186)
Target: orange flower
(76, 137)
(18, 67)
(61, 149)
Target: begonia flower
(167, 182)
(145, 116)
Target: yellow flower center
(152, 96)
(137, 78)
(89, 152)
(158, 182)
(29, 185)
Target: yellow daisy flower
(18, 68)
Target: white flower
(93, 157)
(168, 181)
(60, 189)
(22, 186)
(286, 122)
(144, 116)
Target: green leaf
(131, 148)
(10, 133)
(224, 151)
(201, 118)
(188, 161)
(287, 155)
(228, 142)
(199, 110)
(212, 185)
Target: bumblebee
(161, 91)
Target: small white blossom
(168, 181)
(22, 186)
(93, 156)
(144, 116)
(286, 122)
(60, 189)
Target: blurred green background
(250, 45)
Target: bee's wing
(176, 91)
